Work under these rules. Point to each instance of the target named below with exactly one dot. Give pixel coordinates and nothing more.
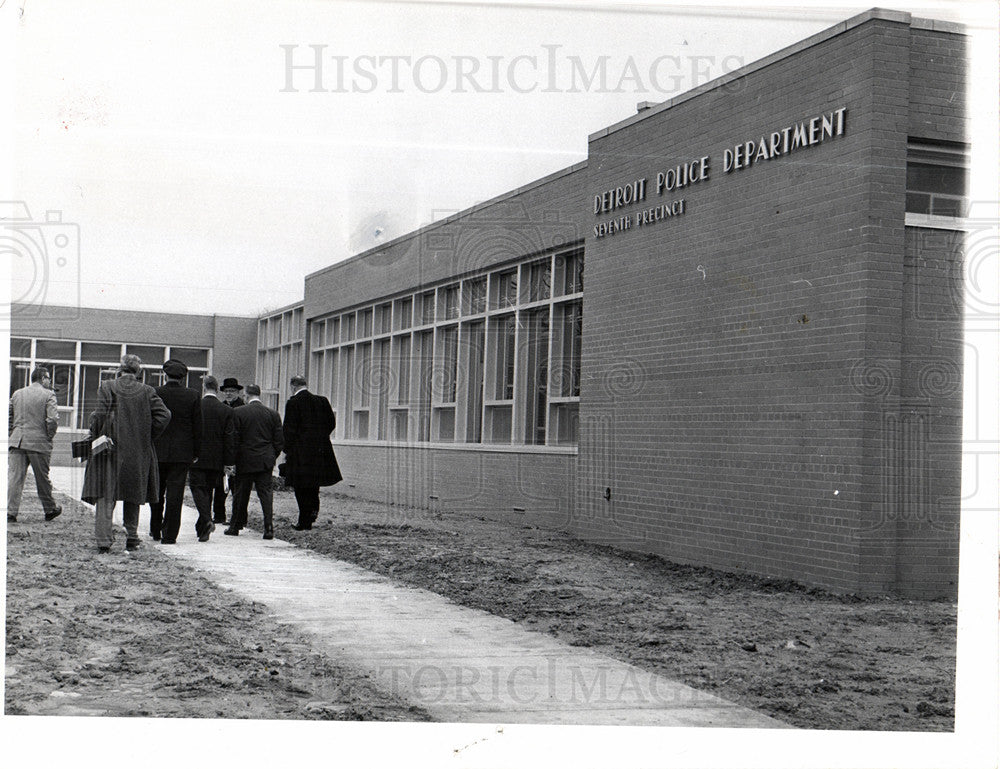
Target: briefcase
(81, 449)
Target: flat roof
(900, 17)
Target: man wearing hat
(176, 449)
(230, 390)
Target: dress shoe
(204, 537)
(269, 534)
(103, 550)
(168, 542)
(132, 544)
(156, 537)
(301, 527)
(56, 512)
(232, 532)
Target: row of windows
(493, 358)
(78, 369)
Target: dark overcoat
(259, 437)
(218, 435)
(129, 471)
(309, 422)
(181, 441)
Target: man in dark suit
(230, 389)
(176, 448)
(218, 452)
(259, 440)
(310, 461)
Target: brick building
(731, 337)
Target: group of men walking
(161, 437)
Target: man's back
(180, 442)
(34, 415)
(218, 436)
(259, 437)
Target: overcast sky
(205, 176)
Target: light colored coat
(34, 418)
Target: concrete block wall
(741, 423)
(532, 488)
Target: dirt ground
(140, 635)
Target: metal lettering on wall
(738, 157)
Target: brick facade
(774, 408)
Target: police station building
(731, 337)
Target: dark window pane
(20, 348)
(48, 349)
(192, 358)
(148, 354)
(947, 206)
(96, 351)
(948, 180)
(918, 203)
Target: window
(427, 308)
(569, 273)
(46, 349)
(93, 351)
(536, 373)
(504, 337)
(448, 298)
(539, 281)
(403, 317)
(505, 289)
(475, 291)
(936, 179)
(494, 358)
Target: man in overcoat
(218, 452)
(259, 441)
(34, 418)
(310, 461)
(176, 449)
(133, 415)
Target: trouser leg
(40, 467)
(304, 496)
(265, 493)
(241, 499)
(103, 533)
(219, 499)
(17, 468)
(156, 508)
(174, 499)
(130, 518)
(202, 483)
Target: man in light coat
(34, 418)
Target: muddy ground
(115, 634)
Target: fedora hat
(229, 383)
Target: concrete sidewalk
(460, 664)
